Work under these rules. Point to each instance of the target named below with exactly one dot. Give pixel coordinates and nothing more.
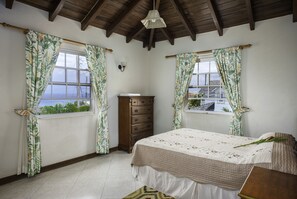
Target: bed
(188, 163)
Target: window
(69, 88)
(206, 92)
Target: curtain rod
(209, 51)
(25, 30)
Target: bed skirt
(180, 188)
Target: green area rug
(147, 193)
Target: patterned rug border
(146, 192)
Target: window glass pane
(203, 80)
(61, 60)
(59, 91)
(203, 92)
(196, 68)
(72, 92)
(213, 66)
(193, 92)
(222, 105)
(193, 81)
(58, 75)
(71, 60)
(203, 67)
(223, 95)
(83, 62)
(85, 92)
(214, 92)
(47, 92)
(72, 76)
(84, 77)
(214, 79)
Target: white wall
(68, 137)
(268, 77)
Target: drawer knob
(136, 120)
(135, 111)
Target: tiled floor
(103, 177)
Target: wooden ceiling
(182, 17)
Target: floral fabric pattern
(229, 66)
(97, 66)
(41, 55)
(185, 64)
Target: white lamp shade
(153, 20)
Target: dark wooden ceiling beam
(151, 39)
(215, 16)
(168, 35)
(53, 14)
(250, 14)
(9, 3)
(92, 14)
(184, 19)
(136, 31)
(115, 24)
(294, 10)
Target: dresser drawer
(142, 118)
(136, 128)
(142, 101)
(135, 138)
(141, 109)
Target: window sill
(65, 115)
(208, 112)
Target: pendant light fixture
(153, 19)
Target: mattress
(210, 158)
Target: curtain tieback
(242, 110)
(23, 112)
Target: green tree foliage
(68, 108)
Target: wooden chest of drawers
(135, 120)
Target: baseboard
(13, 178)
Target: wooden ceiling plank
(121, 17)
(294, 10)
(184, 18)
(168, 35)
(215, 16)
(250, 14)
(9, 4)
(92, 14)
(53, 14)
(136, 31)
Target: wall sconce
(122, 66)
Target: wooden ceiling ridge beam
(115, 24)
(92, 14)
(215, 16)
(250, 14)
(152, 32)
(53, 13)
(294, 10)
(184, 19)
(9, 3)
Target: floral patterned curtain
(41, 56)
(185, 64)
(229, 66)
(97, 66)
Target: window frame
(78, 84)
(208, 57)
